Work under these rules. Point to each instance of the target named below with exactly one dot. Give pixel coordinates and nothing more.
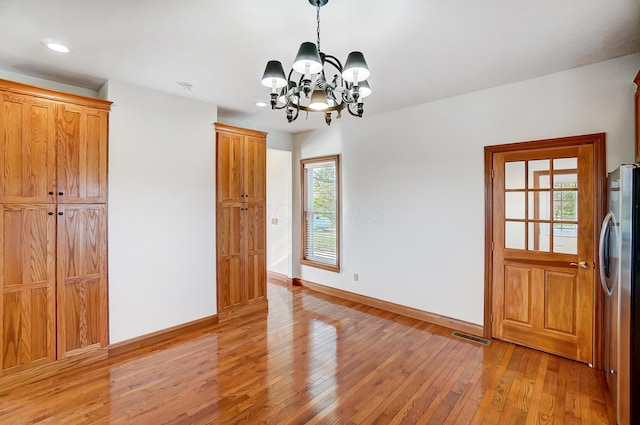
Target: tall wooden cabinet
(53, 247)
(241, 220)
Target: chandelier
(312, 91)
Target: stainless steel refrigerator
(619, 253)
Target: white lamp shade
(273, 76)
(318, 100)
(307, 56)
(365, 89)
(355, 69)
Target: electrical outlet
(356, 277)
(274, 221)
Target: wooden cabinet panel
(256, 267)
(230, 255)
(82, 154)
(27, 286)
(27, 150)
(82, 277)
(229, 167)
(255, 169)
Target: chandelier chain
(318, 20)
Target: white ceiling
(417, 50)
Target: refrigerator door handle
(603, 251)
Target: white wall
(279, 223)
(39, 82)
(413, 180)
(161, 211)
(279, 140)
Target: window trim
(303, 197)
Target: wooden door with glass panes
(544, 249)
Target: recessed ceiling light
(55, 46)
(261, 104)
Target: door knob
(581, 264)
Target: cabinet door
(27, 149)
(255, 169)
(255, 236)
(229, 167)
(82, 277)
(27, 286)
(82, 154)
(230, 267)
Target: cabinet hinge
(492, 245)
(492, 173)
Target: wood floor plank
(316, 359)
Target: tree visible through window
(321, 212)
(564, 208)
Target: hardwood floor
(316, 359)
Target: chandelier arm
(279, 107)
(346, 98)
(333, 61)
(351, 112)
(295, 117)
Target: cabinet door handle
(61, 193)
(60, 213)
(50, 193)
(50, 213)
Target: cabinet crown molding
(238, 130)
(58, 96)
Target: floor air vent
(471, 338)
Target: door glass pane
(565, 164)
(539, 237)
(565, 205)
(539, 208)
(539, 172)
(565, 179)
(565, 238)
(514, 205)
(514, 175)
(514, 235)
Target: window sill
(321, 266)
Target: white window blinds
(321, 211)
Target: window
(321, 212)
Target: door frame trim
(598, 140)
